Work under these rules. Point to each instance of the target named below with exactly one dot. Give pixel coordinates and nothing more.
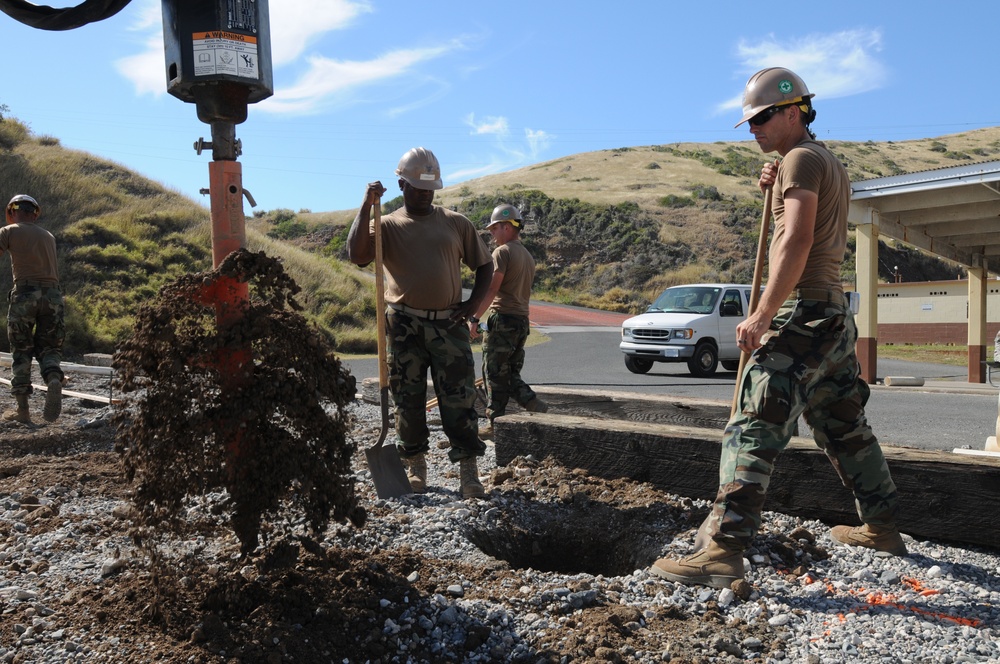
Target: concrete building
(933, 312)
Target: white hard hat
(21, 198)
(420, 168)
(24, 198)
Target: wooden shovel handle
(383, 363)
(758, 274)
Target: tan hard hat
(505, 212)
(420, 168)
(774, 86)
(21, 198)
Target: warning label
(220, 52)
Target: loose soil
(313, 601)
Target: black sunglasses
(766, 115)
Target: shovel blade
(387, 471)
(384, 463)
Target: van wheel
(637, 365)
(705, 360)
(730, 365)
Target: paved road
(587, 357)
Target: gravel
(940, 604)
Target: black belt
(817, 294)
(34, 284)
(429, 314)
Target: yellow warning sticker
(220, 52)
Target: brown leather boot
(21, 413)
(536, 405)
(712, 566)
(416, 472)
(871, 537)
(469, 472)
(53, 399)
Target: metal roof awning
(950, 212)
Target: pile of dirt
(299, 599)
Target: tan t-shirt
(518, 269)
(423, 257)
(32, 253)
(811, 166)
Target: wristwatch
(474, 320)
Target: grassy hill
(612, 228)
(120, 237)
(608, 229)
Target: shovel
(703, 536)
(386, 468)
(758, 273)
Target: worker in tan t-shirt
(507, 326)
(423, 249)
(801, 340)
(35, 326)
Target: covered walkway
(952, 213)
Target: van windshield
(687, 299)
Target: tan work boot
(53, 399)
(416, 472)
(536, 405)
(486, 432)
(469, 472)
(21, 413)
(712, 566)
(871, 537)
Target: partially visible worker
(802, 337)
(507, 326)
(423, 248)
(35, 326)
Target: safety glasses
(765, 115)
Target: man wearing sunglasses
(802, 338)
(35, 326)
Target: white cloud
(146, 70)
(490, 125)
(507, 154)
(538, 141)
(326, 77)
(295, 26)
(839, 64)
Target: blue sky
(495, 86)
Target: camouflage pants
(503, 358)
(416, 345)
(35, 329)
(808, 368)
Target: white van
(694, 324)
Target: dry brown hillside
(628, 174)
(691, 210)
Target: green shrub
(288, 229)
(674, 201)
(12, 134)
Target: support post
(866, 262)
(977, 320)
